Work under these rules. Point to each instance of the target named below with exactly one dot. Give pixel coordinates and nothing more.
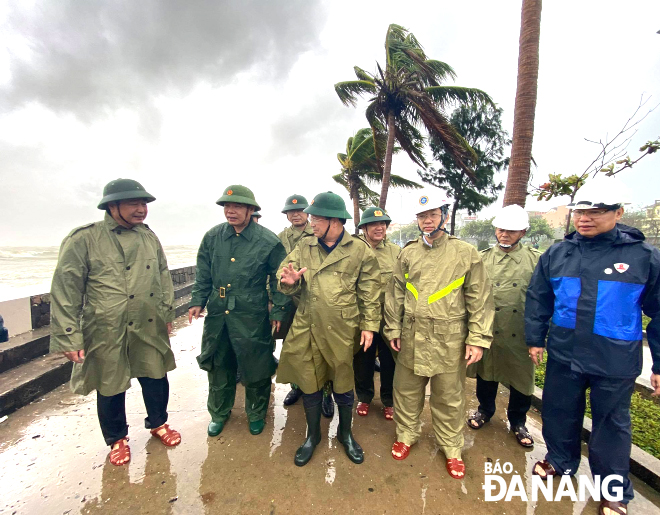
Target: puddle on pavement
(330, 471)
(279, 415)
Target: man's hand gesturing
(290, 276)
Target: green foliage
(481, 126)
(538, 228)
(479, 230)
(645, 415)
(405, 234)
(483, 245)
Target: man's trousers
(364, 363)
(610, 442)
(519, 403)
(447, 407)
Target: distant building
(556, 217)
(463, 218)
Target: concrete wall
(23, 315)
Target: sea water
(26, 271)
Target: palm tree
(408, 95)
(525, 109)
(360, 167)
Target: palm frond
(444, 95)
(340, 179)
(349, 91)
(362, 74)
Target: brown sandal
(615, 507)
(169, 437)
(548, 469)
(118, 455)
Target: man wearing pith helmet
(439, 316)
(233, 263)
(338, 280)
(374, 224)
(510, 266)
(587, 295)
(111, 313)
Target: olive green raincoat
(291, 236)
(230, 282)
(118, 280)
(507, 361)
(439, 300)
(339, 298)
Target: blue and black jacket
(588, 294)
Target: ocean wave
(18, 252)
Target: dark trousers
(315, 399)
(363, 369)
(564, 400)
(112, 410)
(519, 403)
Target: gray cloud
(90, 57)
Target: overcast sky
(189, 97)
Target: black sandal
(522, 433)
(479, 418)
(548, 470)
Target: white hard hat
(511, 218)
(431, 198)
(600, 193)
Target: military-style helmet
(256, 214)
(240, 195)
(329, 205)
(295, 202)
(431, 198)
(123, 189)
(511, 218)
(374, 214)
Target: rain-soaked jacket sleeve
(394, 307)
(368, 293)
(282, 304)
(294, 259)
(166, 285)
(67, 295)
(651, 308)
(203, 278)
(539, 304)
(478, 295)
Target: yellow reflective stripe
(412, 289)
(446, 290)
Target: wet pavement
(54, 460)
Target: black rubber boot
(345, 436)
(293, 396)
(328, 406)
(306, 450)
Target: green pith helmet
(240, 195)
(123, 189)
(329, 205)
(374, 214)
(256, 214)
(295, 202)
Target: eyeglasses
(593, 213)
(434, 217)
(316, 219)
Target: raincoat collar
(114, 226)
(515, 254)
(229, 231)
(306, 230)
(337, 243)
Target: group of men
(435, 311)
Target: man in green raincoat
(374, 224)
(233, 263)
(439, 316)
(111, 312)
(510, 266)
(338, 280)
(294, 209)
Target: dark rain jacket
(587, 295)
(112, 296)
(230, 282)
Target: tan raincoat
(507, 361)
(291, 236)
(339, 298)
(439, 300)
(118, 280)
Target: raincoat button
(515, 284)
(68, 329)
(118, 232)
(227, 312)
(313, 325)
(497, 309)
(151, 320)
(148, 267)
(497, 284)
(315, 299)
(151, 295)
(513, 335)
(233, 259)
(130, 323)
(170, 308)
(229, 286)
(515, 311)
(329, 327)
(497, 332)
(133, 296)
(128, 268)
(335, 273)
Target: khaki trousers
(447, 407)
